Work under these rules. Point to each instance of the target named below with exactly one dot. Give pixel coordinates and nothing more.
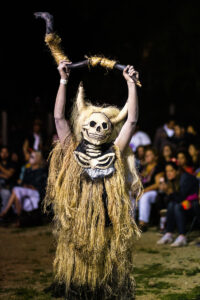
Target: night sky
(161, 39)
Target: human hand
(63, 69)
(128, 72)
(163, 186)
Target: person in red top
(184, 161)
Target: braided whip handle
(53, 41)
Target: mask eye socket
(92, 123)
(105, 125)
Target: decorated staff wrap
(53, 41)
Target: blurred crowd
(168, 163)
(169, 166)
(23, 177)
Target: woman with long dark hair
(151, 175)
(181, 189)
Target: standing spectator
(151, 175)
(139, 138)
(182, 192)
(28, 195)
(163, 134)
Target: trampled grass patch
(149, 250)
(193, 294)
(29, 293)
(160, 272)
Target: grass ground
(26, 257)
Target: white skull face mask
(97, 128)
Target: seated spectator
(194, 152)
(179, 139)
(17, 165)
(140, 158)
(24, 166)
(167, 154)
(163, 134)
(161, 205)
(139, 138)
(54, 138)
(7, 176)
(192, 135)
(7, 168)
(181, 190)
(184, 161)
(150, 179)
(27, 196)
(35, 140)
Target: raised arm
(62, 127)
(128, 128)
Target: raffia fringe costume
(94, 226)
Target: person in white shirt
(140, 138)
(163, 134)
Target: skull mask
(97, 128)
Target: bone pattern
(93, 150)
(94, 157)
(102, 162)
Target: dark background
(161, 39)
